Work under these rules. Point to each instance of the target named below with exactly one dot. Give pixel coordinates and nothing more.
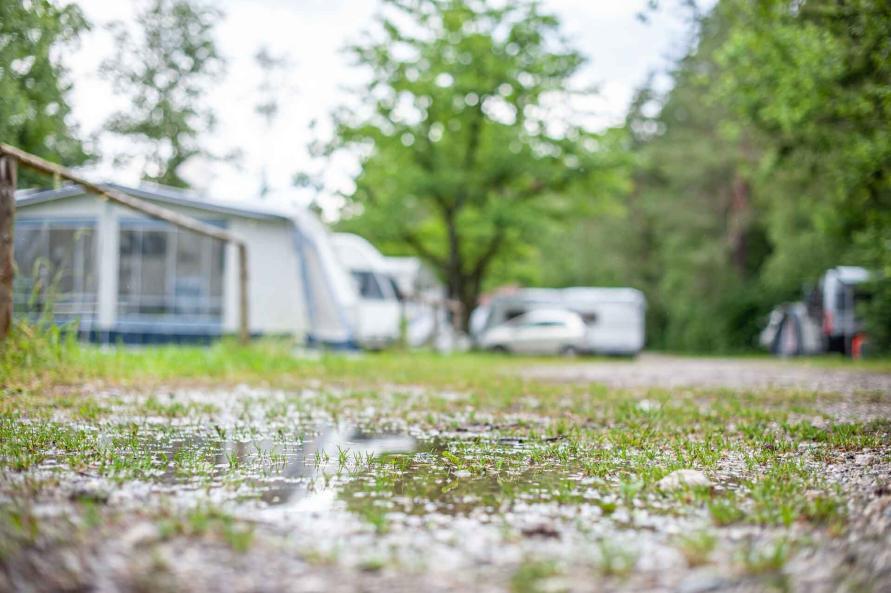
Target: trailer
(379, 309)
(122, 276)
(614, 317)
(428, 317)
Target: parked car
(540, 331)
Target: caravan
(613, 318)
(128, 278)
(378, 312)
(825, 321)
(428, 314)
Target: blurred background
(690, 176)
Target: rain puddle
(361, 487)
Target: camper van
(614, 318)
(379, 310)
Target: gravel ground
(654, 370)
(115, 542)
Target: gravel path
(654, 370)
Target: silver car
(540, 331)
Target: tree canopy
(766, 163)
(814, 78)
(468, 146)
(34, 86)
(165, 70)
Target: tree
(689, 232)
(272, 68)
(814, 76)
(165, 72)
(467, 147)
(766, 163)
(34, 110)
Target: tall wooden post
(7, 243)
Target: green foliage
(688, 233)
(34, 111)
(165, 72)
(815, 77)
(33, 349)
(766, 163)
(204, 521)
(465, 161)
(532, 576)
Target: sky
(621, 52)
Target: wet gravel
(314, 541)
(654, 370)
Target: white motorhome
(379, 310)
(614, 317)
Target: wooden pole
(7, 242)
(158, 212)
(11, 153)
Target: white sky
(621, 52)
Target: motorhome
(614, 317)
(379, 311)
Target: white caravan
(614, 317)
(129, 279)
(379, 309)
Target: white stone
(682, 478)
(864, 459)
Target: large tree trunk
(7, 220)
(460, 288)
(456, 279)
(738, 224)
